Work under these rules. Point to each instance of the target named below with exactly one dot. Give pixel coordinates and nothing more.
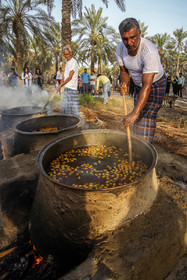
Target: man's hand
(129, 119)
(122, 88)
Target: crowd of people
(88, 83)
(176, 85)
(28, 79)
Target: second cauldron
(31, 134)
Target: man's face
(131, 39)
(85, 70)
(68, 54)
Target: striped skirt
(145, 125)
(70, 102)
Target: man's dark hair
(93, 72)
(85, 68)
(99, 75)
(127, 24)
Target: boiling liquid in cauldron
(96, 167)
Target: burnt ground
(150, 247)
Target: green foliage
(88, 99)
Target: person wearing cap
(139, 58)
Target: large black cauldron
(14, 115)
(64, 217)
(27, 137)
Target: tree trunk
(178, 56)
(99, 64)
(66, 27)
(56, 62)
(92, 56)
(19, 60)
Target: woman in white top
(26, 77)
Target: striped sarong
(70, 102)
(145, 125)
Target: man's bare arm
(63, 82)
(124, 75)
(147, 81)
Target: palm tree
(169, 58)
(74, 7)
(180, 35)
(22, 18)
(106, 47)
(160, 40)
(143, 28)
(53, 41)
(94, 34)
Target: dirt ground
(153, 245)
(124, 253)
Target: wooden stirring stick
(128, 131)
(51, 97)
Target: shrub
(88, 99)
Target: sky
(161, 16)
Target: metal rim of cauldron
(45, 148)
(16, 130)
(9, 112)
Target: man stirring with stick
(139, 58)
(70, 101)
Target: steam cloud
(22, 96)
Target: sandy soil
(129, 253)
(151, 245)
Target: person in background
(102, 79)
(93, 83)
(38, 78)
(100, 91)
(175, 85)
(140, 57)
(85, 76)
(181, 81)
(168, 84)
(111, 84)
(26, 77)
(13, 78)
(79, 85)
(70, 101)
(115, 83)
(3, 79)
(59, 77)
(131, 87)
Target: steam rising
(22, 96)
